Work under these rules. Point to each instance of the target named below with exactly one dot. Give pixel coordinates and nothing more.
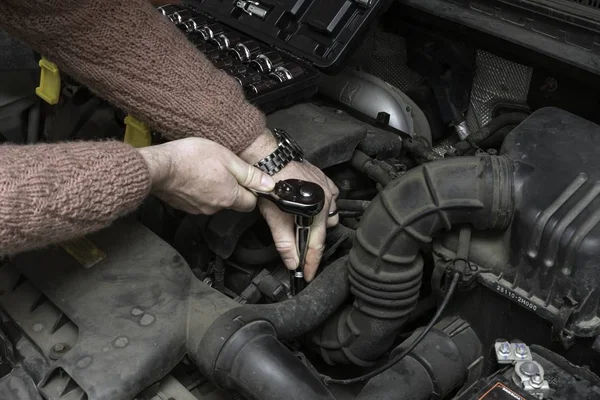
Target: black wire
(451, 289)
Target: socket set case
(275, 49)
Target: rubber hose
(309, 309)
(497, 138)
(240, 352)
(219, 274)
(474, 140)
(366, 165)
(385, 266)
(352, 205)
(339, 236)
(441, 363)
(381, 143)
(421, 151)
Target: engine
(464, 265)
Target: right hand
(199, 176)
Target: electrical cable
(451, 289)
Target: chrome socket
(267, 62)
(245, 51)
(210, 31)
(287, 72)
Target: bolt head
(208, 281)
(504, 348)
(537, 379)
(521, 349)
(59, 347)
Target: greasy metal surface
(383, 54)
(370, 96)
(497, 81)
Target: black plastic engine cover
(555, 240)
(121, 323)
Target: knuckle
(231, 200)
(319, 249)
(335, 192)
(266, 210)
(284, 246)
(248, 206)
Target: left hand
(282, 224)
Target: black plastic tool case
(310, 34)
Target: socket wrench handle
(303, 224)
(304, 200)
(297, 197)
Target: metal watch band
(286, 152)
(276, 161)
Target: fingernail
(290, 263)
(267, 182)
(309, 277)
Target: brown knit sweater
(130, 55)
(127, 53)
(53, 192)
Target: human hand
(200, 176)
(282, 224)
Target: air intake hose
(240, 351)
(385, 266)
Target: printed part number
(519, 299)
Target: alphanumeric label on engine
(516, 297)
(499, 391)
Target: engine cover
(553, 268)
(108, 331)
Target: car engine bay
(463, 265)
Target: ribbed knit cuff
(55, 192)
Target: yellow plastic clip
(137, 133)
(49, 89)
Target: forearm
(51, 193)
(128, 54)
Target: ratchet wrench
(304, 200)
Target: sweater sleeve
(56, 192)
(130, 55)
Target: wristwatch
(286, 152)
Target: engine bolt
(58, 350)
(521, 349)
(504, 348)
(536, 379)
(208, 281)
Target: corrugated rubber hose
(385, 267)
